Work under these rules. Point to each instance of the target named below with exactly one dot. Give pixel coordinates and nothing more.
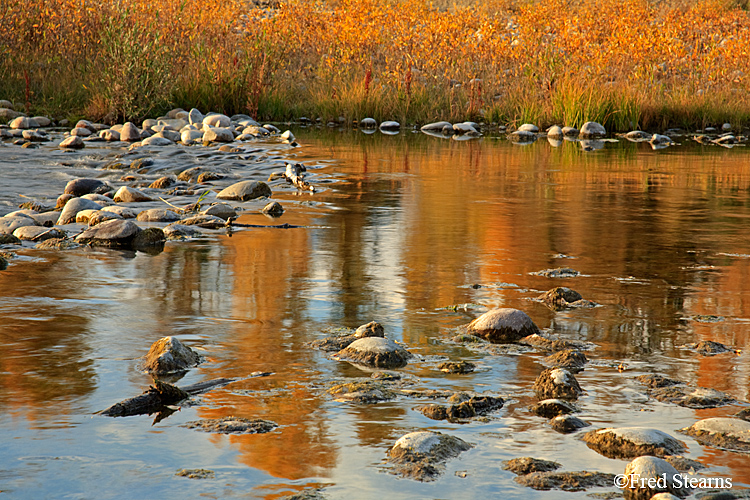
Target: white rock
(72, 142)
(418, 442)
(43, 121)
(465, 128)
(217, 120)
(368, 123)
(554, 132)
(390, 125)
(288, 136)
(124, 212)
(529, 127)
(191, 136)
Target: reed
(626, 64)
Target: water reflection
(413, 224)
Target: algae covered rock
(232, 425)
(721, 432)
(504, 325)
(375, 352)
(527, 465)
(474, 406)
(557, 383)
(570, 359)
(169, 355)
(629, 442)
(422, 455)
(371, 329)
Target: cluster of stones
(458, 131)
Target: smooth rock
(83, 216)
(592, 130)
(565, 424)
(390, 125)
(110, 135)
(368, 123)
(176, 231)
(37, 233)
(529, 127)
(273, 209)
(245, 190)
(163, 182)
(554, 132)
(202, 220)
(110, 234)
(638, 136)
(23, 122)
(550, 408)
(503, 325)
(169, 355)
(124, 212)
(288, 136)
(557, 383)
(217, 120)
(80, 187)
(156, 140)
(215, 134)
(130, 133)
(81, 132)
(465, 128)
(101, 216)
(158, 215)
(72, 142)
(630, 442)
(375, 352)
(195, 117)
(35, 136)
(191, 136)
(131, 195)
(642, 469)
(522, 136)
(72, 207)
(570, 131)
(222, 210)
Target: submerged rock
(661, 474)
(721, 432)
(422, 455)
(629, 442)
(566, 481)
(57, 244)
(527, 465)
(245, 190)
(375, 352)
(565, 424)
(549, 344)
(557, 383)
(709, 348)
(560, 272)
(692, 397)
(473, 407)
(654, 381)
(368, 391)
(456, 367)
(503, 325)
(196, 473)
(232, 425)
(570, 359)
(550, 408)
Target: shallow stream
(400, 228)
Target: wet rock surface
(550, 408)
(457, 367)
(375, 352)
(572, 360)
(196, 473)
(232, 425)
(560, 298)
(566, 424)
(709, 348)
(245, 190)
(560, 272)
(527, 465)
(169, 355)
(726, 433)
(566, 481)
(629, 442)
(663, 474)
(557, 383)
(367, 391)
(503, 325)
(673, 391)
(422, 455)
(472, 407)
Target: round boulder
(80, 187)
(565, 424)
(273, 209)
(216, 134)
(554, 132)
(158, 215)
(169, 355)
(375, 352)
(557, 383)
(503, 325)
(646, 476)
(130, 133)
(222, 210)
(368, 123)
(72, 142)
(111, 234)
(245, 190)
(131, 195)
(592, 130)
(72, 207)
(629, 442)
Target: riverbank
(628, 65)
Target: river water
(400, 228)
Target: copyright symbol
(621, 480)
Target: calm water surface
(400, 228)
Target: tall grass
(625, 63)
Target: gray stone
(565, 424)
(110, 234)
(156, 140)
(503, 325)
(273, 209)
(390, 125)
(169, 355)
(130, 133)
(570, 131)
(554, 132)
(660, 471)
(375, 352)
(465, 128)
(217, 120)
(529, 127)
(202, 220)
(158, 215)
(245, 190)
(177, 231)
(8, 225)
(630, 442)
(131, 195)
(81, 132)
(592, 130)
(422, 455)
(216, 134)
(80, 187)
(101, 216)
(368, 123)
(557, 383)
(124, 212)
(522, 136)
(35, 136)
(110, 135)
(72, 142)
(72, 207)
(638, 136)
(195, 117)
(191, 136)
(222, 210)
(23, 122)
(37, 233)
